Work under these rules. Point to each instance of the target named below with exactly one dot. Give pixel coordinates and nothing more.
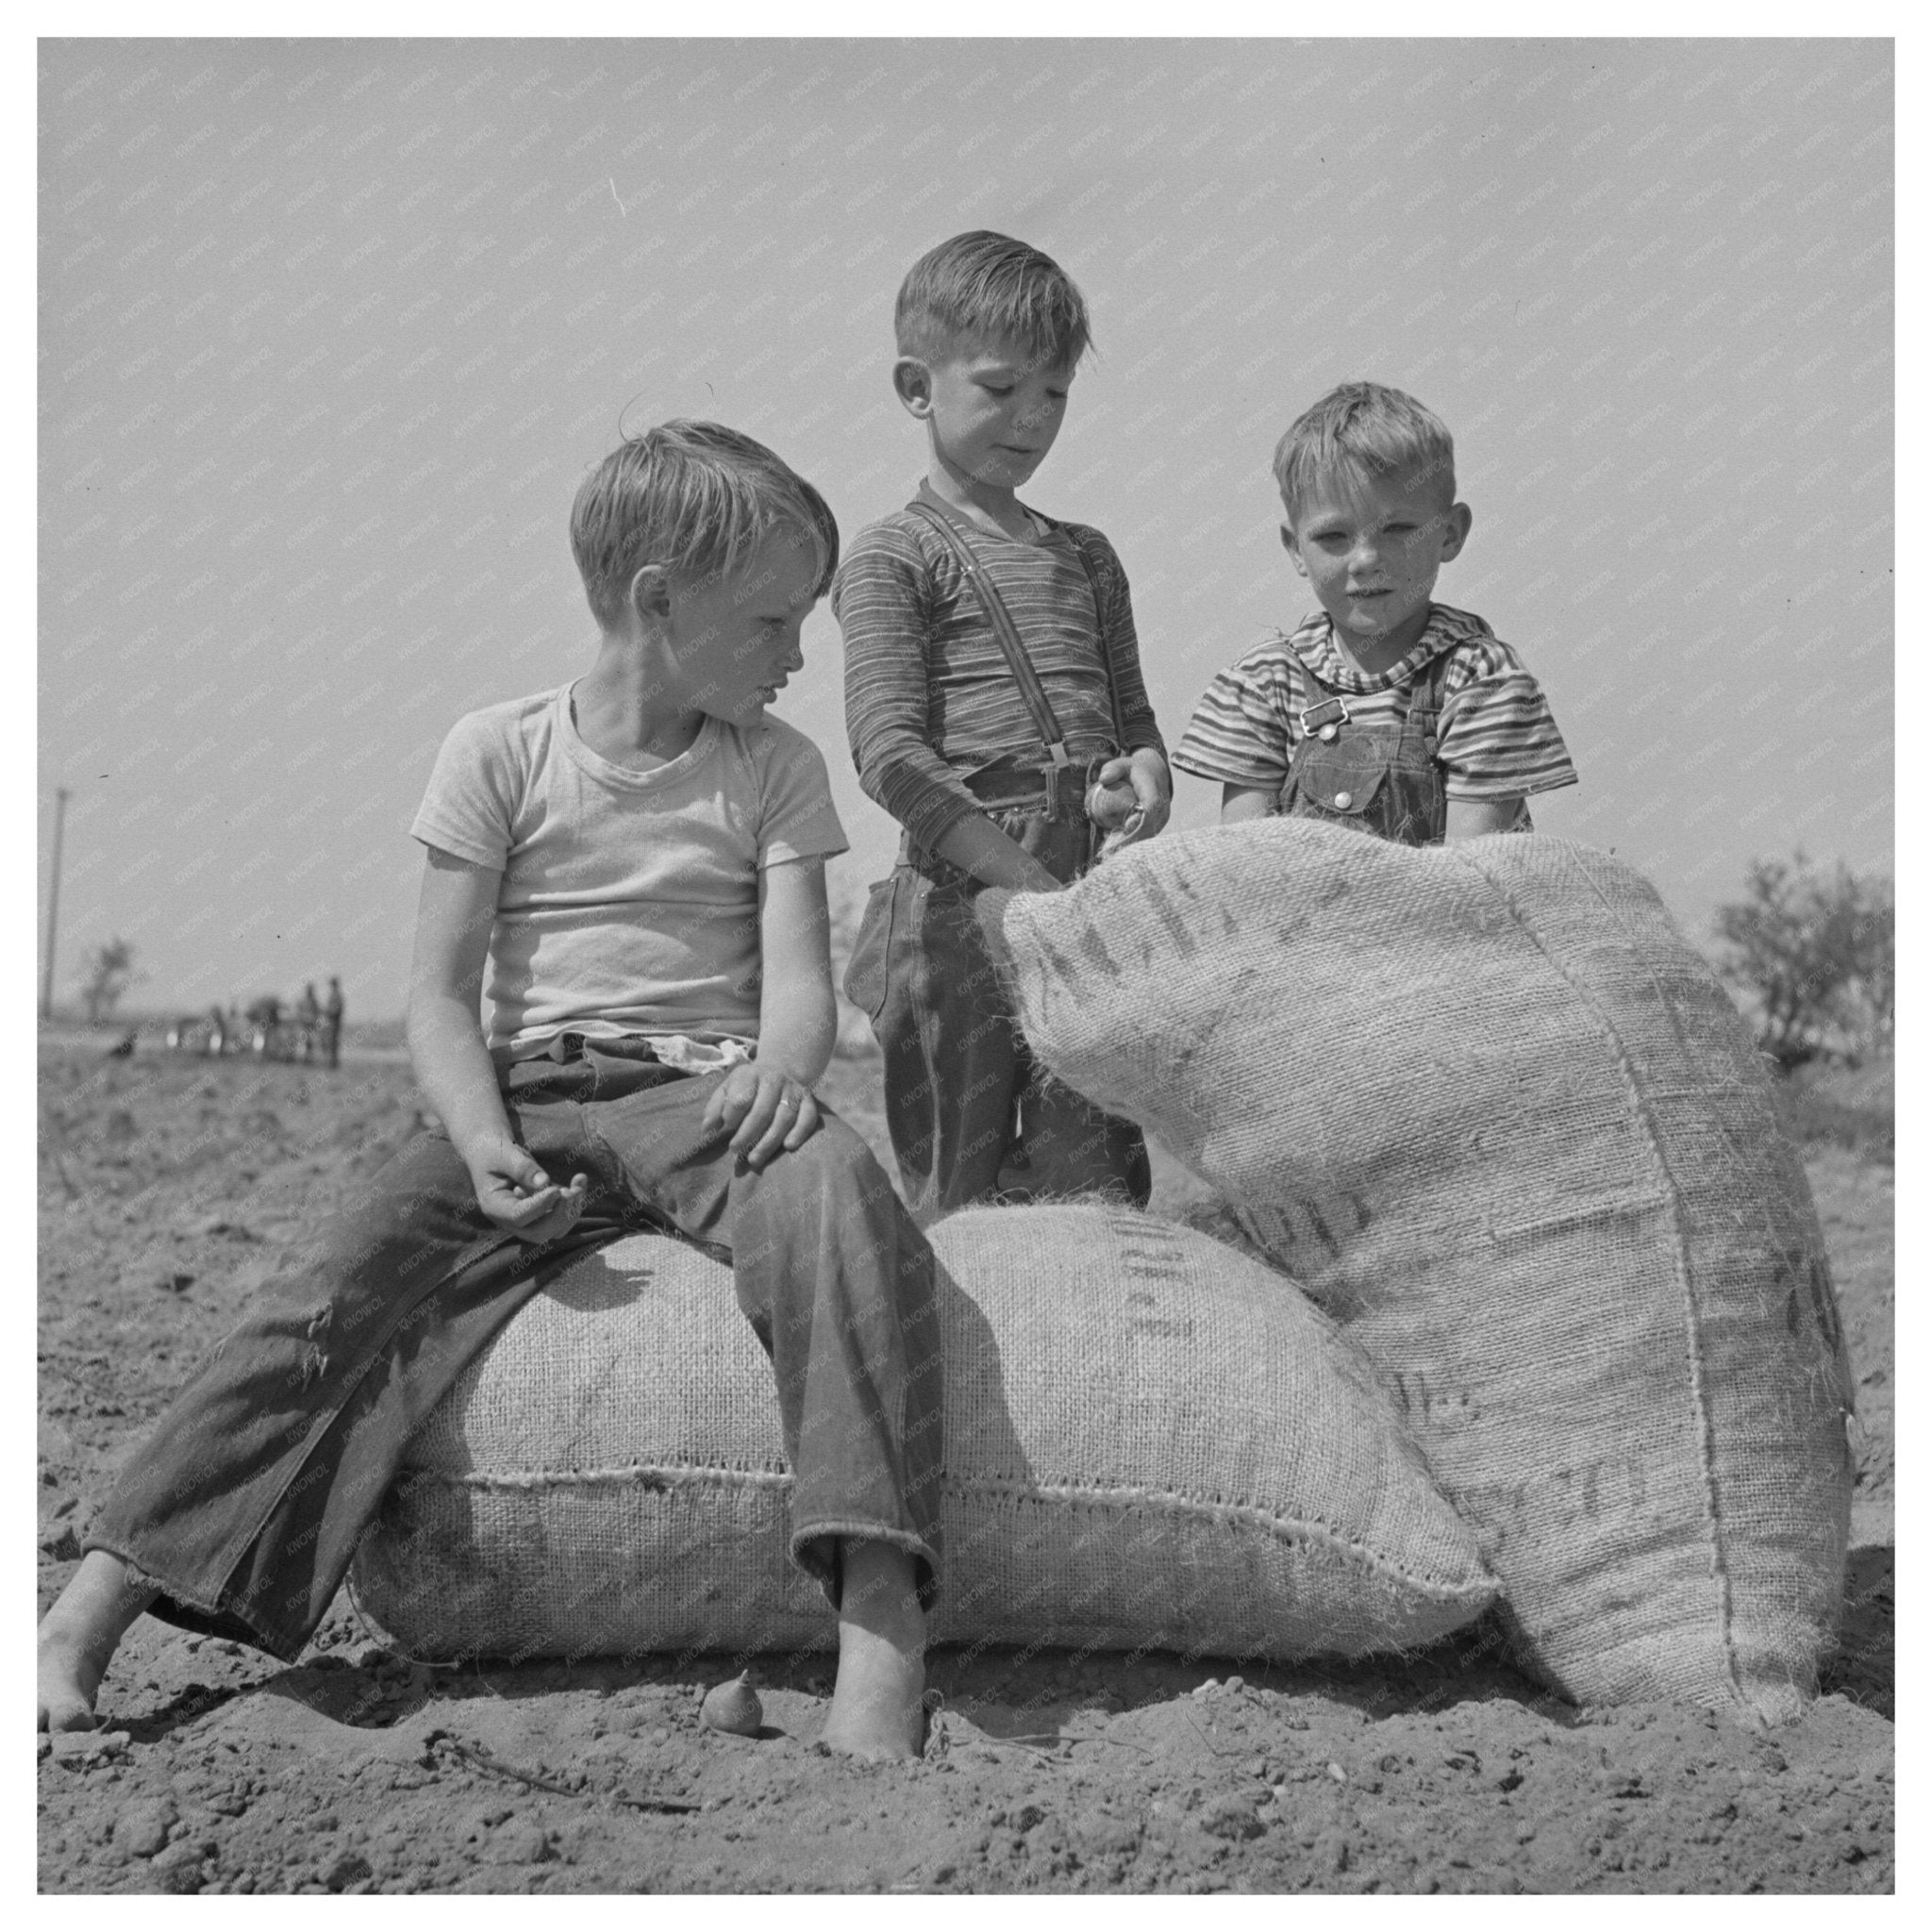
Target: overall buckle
(1324, 720)
(1051, 774)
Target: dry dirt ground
(167, 1188)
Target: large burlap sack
(1502, 1122)
(1152, 1440)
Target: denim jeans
(972, 1116)
(245, 1504)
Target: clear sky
(329, 331)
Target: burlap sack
(1502, 1122)
(1151, 1441)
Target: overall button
(1343, 800)
(1328, 732)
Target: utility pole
(60, 796)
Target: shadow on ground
(1863, 1669)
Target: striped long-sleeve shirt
(929, 693)
(1496, 737)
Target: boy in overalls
(1385, 712)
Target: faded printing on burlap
(1501, 1121)
(1152, 1442)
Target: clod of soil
(733, 1707)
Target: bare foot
(876, 1708)
(77, 1639)
(66, 1690)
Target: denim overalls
(1377, 775)
(972, 1116)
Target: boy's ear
(1455, 522)
(1294, 549)
(913, 385)
(649, 591)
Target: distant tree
(107, 973)
(1814, 951)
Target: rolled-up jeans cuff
(814, 1550)
(188, 1610)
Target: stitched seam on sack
(1169, 1502)
(657, 1474)
(1719, 1120)
(1701, 1407)
(1286, 1530)
(1807, 1208)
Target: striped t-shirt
(1495, 737)
(929, 693)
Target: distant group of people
(312, 1030)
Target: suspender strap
(1324, 710)
(1426, 700)
(1004, 629)
(1114, 695)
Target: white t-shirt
(629, 899)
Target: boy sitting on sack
(635, 859)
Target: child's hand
(771, 1111)
(1146, 772)
(518, 1195)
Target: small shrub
(108, 974)
(1812, 952)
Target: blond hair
(985, 286)
(695, 497)
(1362, 432)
